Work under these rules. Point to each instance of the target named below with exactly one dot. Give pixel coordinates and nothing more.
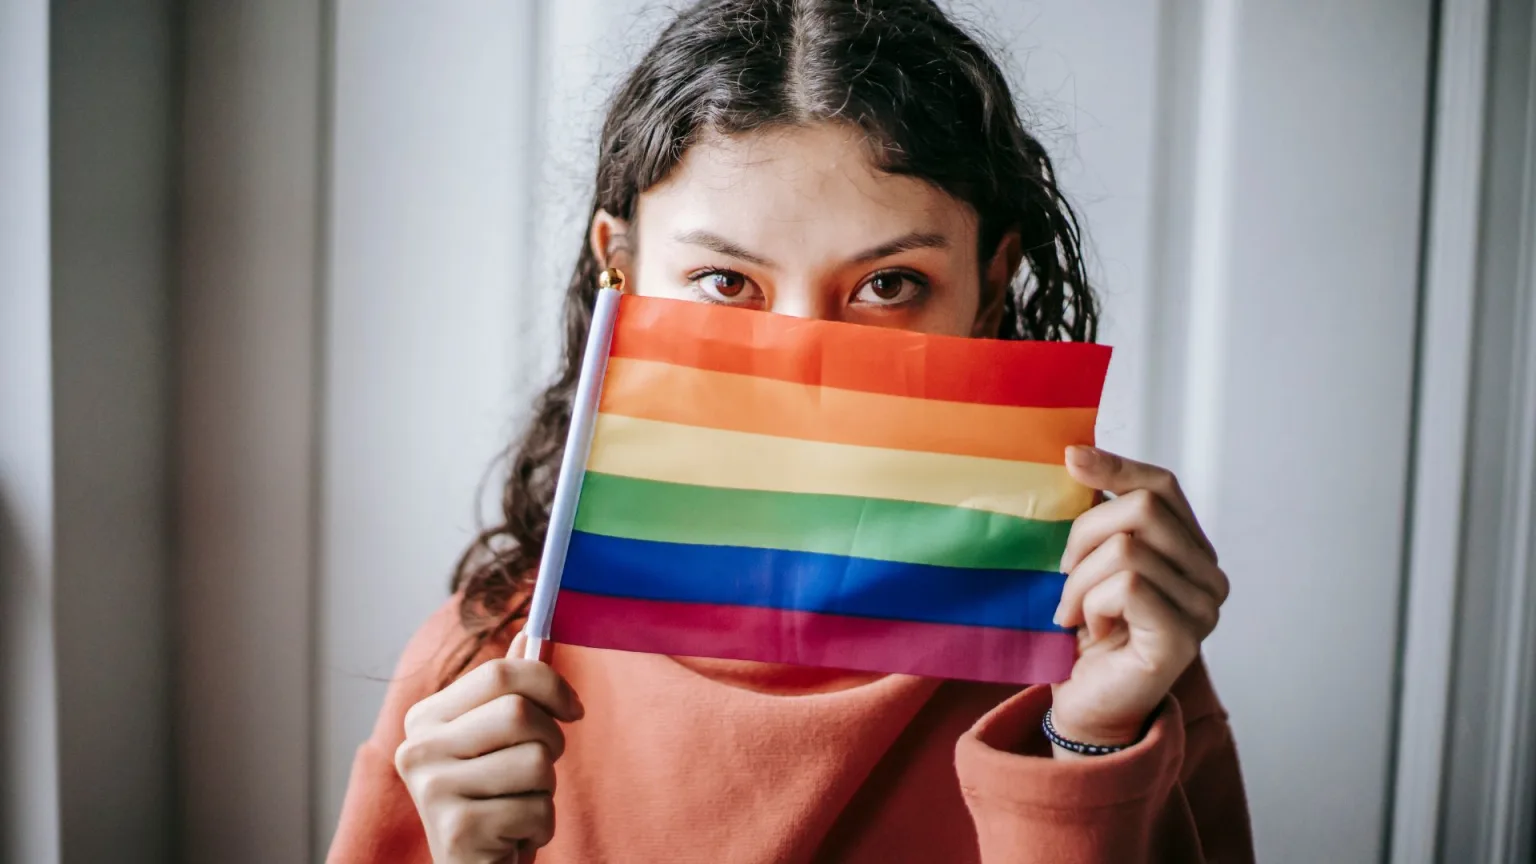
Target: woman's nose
(804, 300)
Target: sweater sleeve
(1176, 796)
(379, 822)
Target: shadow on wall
(29, 799)
(13, 591)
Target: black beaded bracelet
(1076, 746)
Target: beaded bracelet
(1076, 746)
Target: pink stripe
(813, 639)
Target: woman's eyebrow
(904, 243)
(716, 243)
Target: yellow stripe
(672, 453)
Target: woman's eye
(890, 289)
(725, 286)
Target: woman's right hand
(479, 759)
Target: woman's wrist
(1070, 740)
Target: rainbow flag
(761, 487)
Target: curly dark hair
(931, 104)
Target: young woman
(863, 162)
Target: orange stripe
(855, 357)
(649, 390)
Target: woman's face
(798, 222)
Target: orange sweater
(716, 761)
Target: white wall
(430, 222)
(1309, 413)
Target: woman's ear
(996, 282)
(610, 242)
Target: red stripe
(812, 639)
(857, 357)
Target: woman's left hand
(1144, 590)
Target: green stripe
(884, 530)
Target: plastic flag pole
(573, 466)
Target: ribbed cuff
(992, 764)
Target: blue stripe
(811, 582)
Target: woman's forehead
(798, 189)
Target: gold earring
(613, 278)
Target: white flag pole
(573, 466)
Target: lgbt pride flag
(761, 487)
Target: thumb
(1095, 468)
(519, 649)
(518, 646)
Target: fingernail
(1058, 617)
(1082, 456)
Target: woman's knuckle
(541, 820)
(1202, 616)
(404, 758)
(535, 763)
(1122, 545)
(530, 768)
(544, 771)
(433, 785)
(503, 675)
(1189, 649)
(1159, 480)
(413, 718)
(409, 755)
(513, 710)
(456, 826)
(1079, 530)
